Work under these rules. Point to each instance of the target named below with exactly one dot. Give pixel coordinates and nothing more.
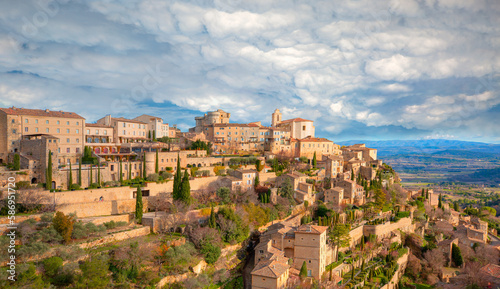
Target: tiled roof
(270, 268)
(97, 125)
(313, 229)
(492, 270)
(40, 112)
(297, 119)
(122, 119)
(311, 139)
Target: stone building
(126, 130)
(68, 127)
(156, 127)
(219, 116)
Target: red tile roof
(297, 119)
(40, 112)
(492, 270)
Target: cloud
(383, 69)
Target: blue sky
(364, 69)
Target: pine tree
(48, 177)
(314, 162)
(80, 172)
(70, 181)
(138, 206)
(177, 180)
(185, 191)
(156, 161)
(211, 221)
(303, 271)
(144, 167)
(121, 172)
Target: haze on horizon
(375, 70)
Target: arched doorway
(97, 150)
(105, 150)
(33, 180)
(199, 165)
(53, 185)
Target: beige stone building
(156, 126)
(335, 196)
(126, 130)
(310, 247)
(219, 116)
(67, 127)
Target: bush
(52, 266)
(153, 177)
(112, 224)
(32, 250)
(169, 169)
(63, 225)
(74, 187)
(166, 175)
(22, 185)
(112, 184)
(210, 251)
(49, 235)
(224, 194)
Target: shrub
(111, 184)
(47, 217)
(22, 185)
(32, 249)
(210, 251)
(153, 177)
(49, 235)
(224, 195)
(52, 266)
(63, 225)
(166, 175)
(112, 224)
(74, 187)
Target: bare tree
(159, 203)
(33, 199)
(435, 260)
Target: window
(26, 129)
(112, 168)
(14, 131)
(77, 149)
(68, 150)
(96, 131)
(89, 139)
(77, 131)
(36, 120)
(13, 121)
(105, 132)
(58, 130)
(124, 132)
(26, 120)
(303, 127)
(59, 150)
(124, 125)
(36, 129)
(46, 122)
(67, 122)
(88, 131)
(77, 123)
(67, 140)
(58, 122)
(46, 130)
(77, 140)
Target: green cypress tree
(303, 271)
(211, 221)
(98, 172)
(353, 271)
(185, 192)
(456, 255)
(90, 176)
(129, 170)
(456, 207)
(177, 180)
(17, 162)
(427, 194)
(440, 204)
(256, 183)
(319, 221)
(314, 162)
(48, 177)
(121, 172)
(138, 206)
(149, 135)
(423, 193)
(363, 265)
(70, 181)
(80, 172)
(144, 167)
(154, 135)
(156, 161)
(352, 174)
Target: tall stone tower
(276, 118)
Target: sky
(361, 69)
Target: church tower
(276, 118)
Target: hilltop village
(136, 203)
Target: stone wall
(393, 283)
(384, 230)
(104, 208)
(120, 236)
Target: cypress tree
(129, 170)
(185, 191)
(121, 172)
(314, 160)
(138, 206)
(256, 183)
(440, 204)
(423, 193)
(17, 162)
(144, 167)
(90, 177)
(303, 271)
(177, 180)
(352, 174)
(156, 161)
(363, 265)
(211, 221)
(154, 135)
(80, 172)
(70, 181)
(352, 275)
(456, 207)
(427, 194)
(456, 255)
(48, 177)
(319, 221)
(149, 135)
(99, 172)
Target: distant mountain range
(438, 160)
(396, 147)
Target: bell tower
(276, 118)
